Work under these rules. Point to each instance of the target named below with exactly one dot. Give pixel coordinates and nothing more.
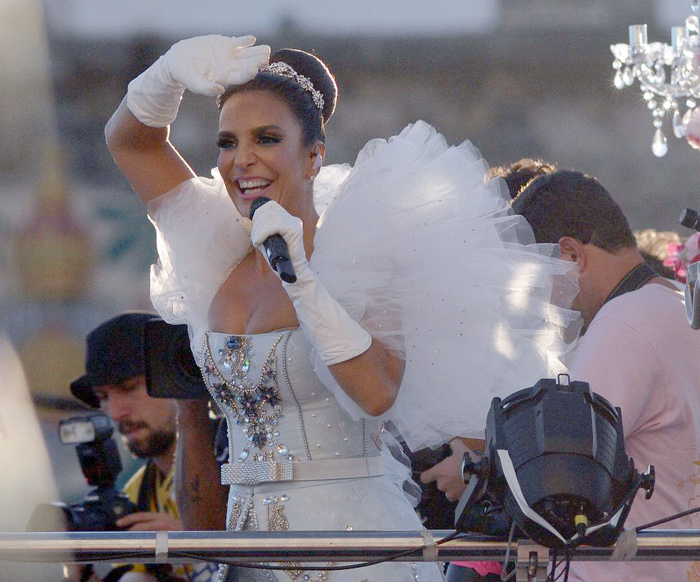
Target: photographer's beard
(158, 443)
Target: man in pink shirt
(638, 351)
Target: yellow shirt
(162, 500)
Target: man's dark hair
(519, 174)
(569, 203)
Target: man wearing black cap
(115, 382)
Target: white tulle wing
(429, 257)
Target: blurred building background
(517, 78)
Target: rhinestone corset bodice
(276, 407)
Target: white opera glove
(203, 65)
(335, 335)
(691, 129)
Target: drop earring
(317, 163)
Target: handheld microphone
(275, 248)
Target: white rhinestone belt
(256, 472)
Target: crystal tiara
(286, 70)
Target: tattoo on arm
(191, 492)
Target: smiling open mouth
(251, 187)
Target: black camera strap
(147, 489)
(635, 279)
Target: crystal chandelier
(669, 76)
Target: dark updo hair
(313, 121)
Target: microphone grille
(257, 203)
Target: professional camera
(101, 465)
(691, 219)
(171, 371)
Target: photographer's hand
(80, 573)
(150, 521)
(447, 474)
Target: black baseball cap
(114, 354)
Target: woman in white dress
(415, 299)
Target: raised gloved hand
(692, 129)
(203, 64)
(329, 328)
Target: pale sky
(669, 13)
(110, 18)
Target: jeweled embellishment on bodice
(255, 403)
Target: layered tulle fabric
(199, 238)
(429, 257)
(424, 253)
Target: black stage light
(555, 464)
